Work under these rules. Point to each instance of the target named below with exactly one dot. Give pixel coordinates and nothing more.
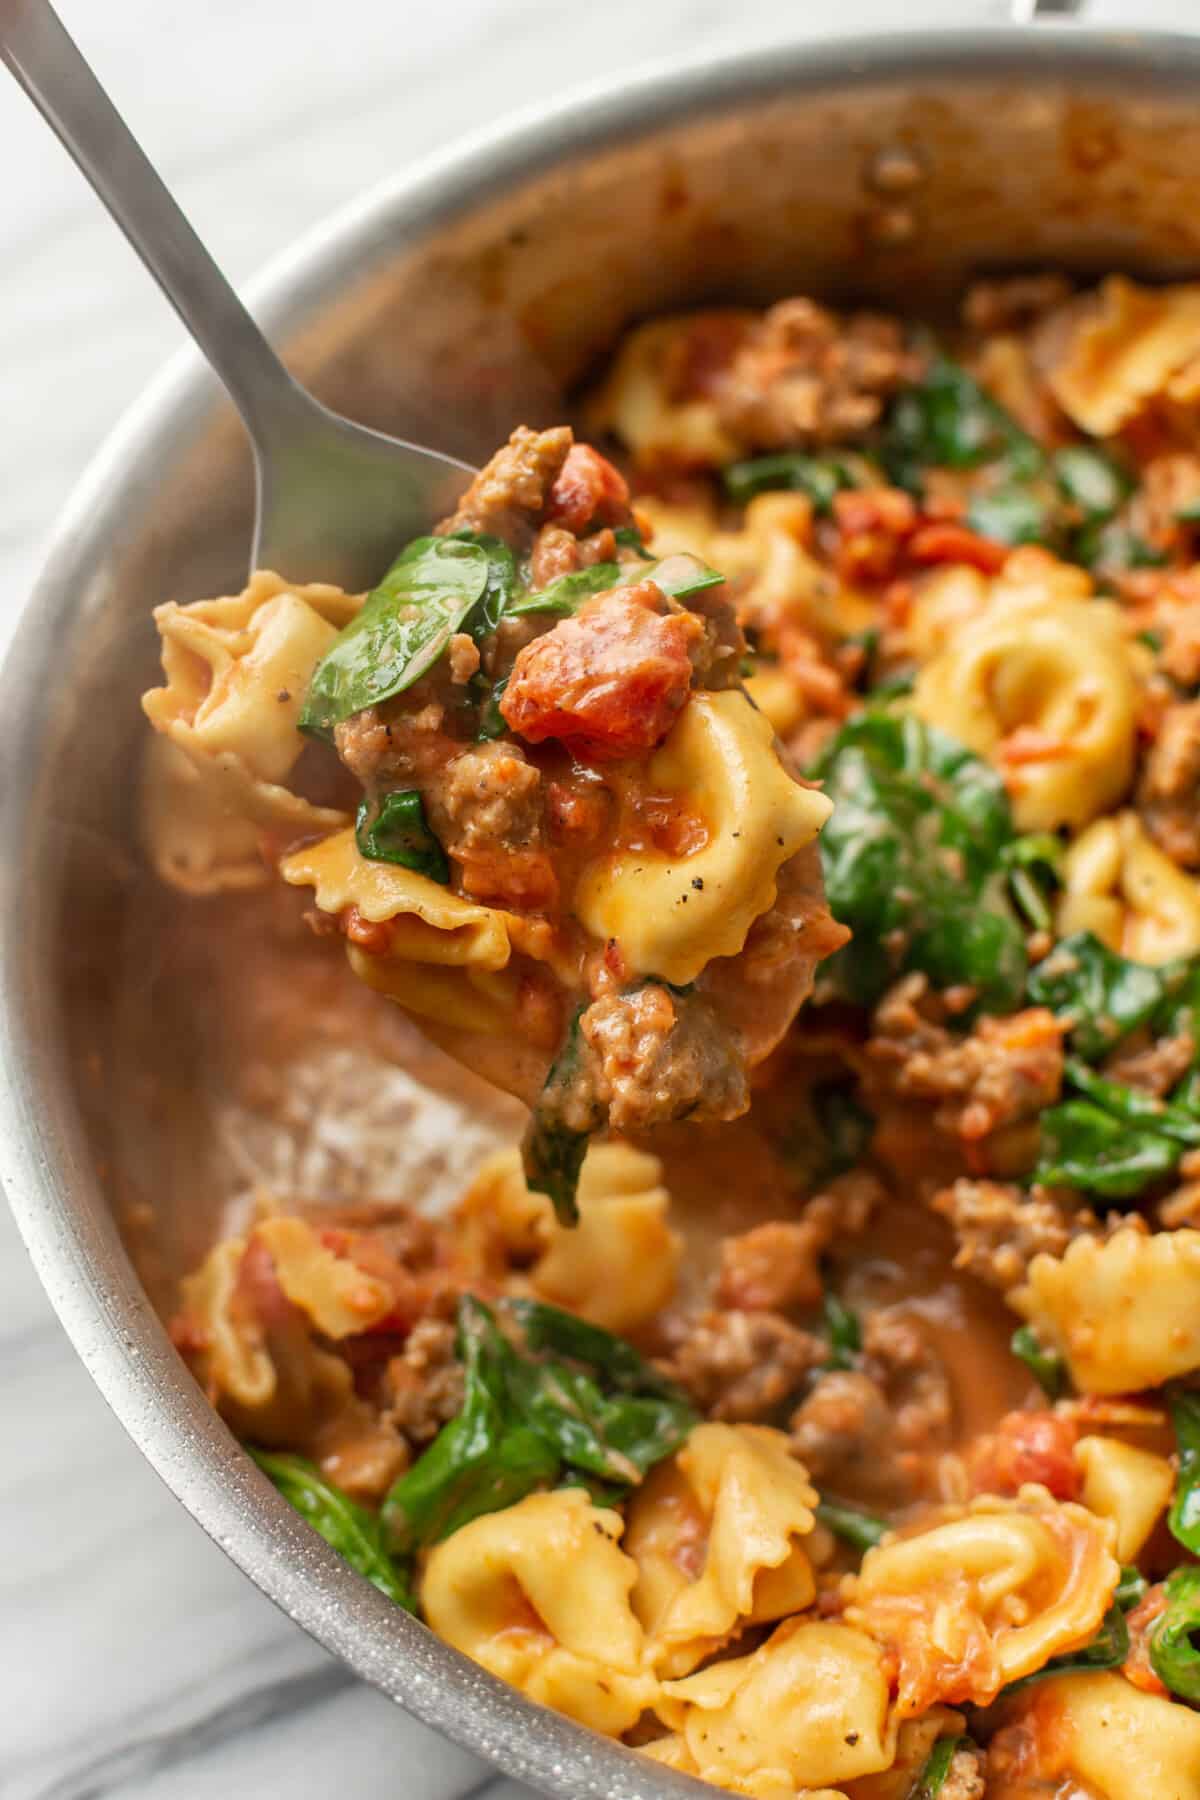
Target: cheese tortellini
(539, 1595)
(1045, 689)
(806, 1710)
(1118, 884)
(617, 1267)
(672, 915)
(1124, 1312)
(986, 1596)
(1100, 1734)
(1125, 347)
(639, 404)
(1131, 1487)
(736, 1506)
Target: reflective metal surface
(461, 298)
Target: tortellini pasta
(778, 579)
(1124, 1312)
(617, 1267)
(638, 403)
(539, 1595)
(719, 1535)
(1101, 1734)
(1131, 1487)
(986, 1596)
(1123, 348)
(192, 839)
(1118, 884)
(807, 1709)
(673, 915)
(340, 1298)
(1045, 689)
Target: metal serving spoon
(335, 500)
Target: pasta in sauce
(798, 786)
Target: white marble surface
(135, 1662)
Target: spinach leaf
(1184, 1516)
(1085, 1148)
(404, 626)
(846, 1126)
(1133, 1106)
(1174, 1651)
(820, 477)
(932, 1778)
(679, 576)
(1104, 995)
(911, 861)
(1131, 1589)
(1047, 1367)
(1033, 866)
(1091, 480)
(1108, 547)
(355, 1533)
(501, 582)
(592, 1414)
(553, 1151)
(492, 723)
(1107, 1650)
(861, 1529)
(396, 831)
(630, 538)
(948, 421)
(1011, 515)
(844, 1331)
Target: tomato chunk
(1028, 1446)
(588, 491)
(609, 682)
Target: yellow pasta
(807, 1709)
(338, 1297)
(1101, 1735)
(617, 1267)
(1124, 1312)
(1125, 347)
(1118, 883)
(1131, 1487)
(193, 841)
(673, 915)
(638, 406)
(736, 1507)
(944, 601)
(539, 1594)
(1046, 690)
(234, 1361)
(986, 1596)
(778, 579)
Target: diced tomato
(945, 542)
(587, 492)
(1029, 1446)
(609, 682)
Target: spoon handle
(48, 64)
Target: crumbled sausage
(1169, 791)
(510, 494)
(802, 375)
(743, 1366)
(1000, 1228)
(654, 1055)
(608, 682)
(1154, 1067)
(385, 745)
(964, 1778)
(424, 1385)
(462, 657)
(777, 1265)
(486, 808)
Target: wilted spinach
(396, 831)
(403, 628)
(1086, 1148)
(1032, 865)
(843, 1330)
(1093, 483)
(1047, 1367)
(678, 576)
(1101, 993)
(1107, 1650)
(912, 862)
(1012, 514)
(947, 421)
(932, 1778)
(355, 1533)
(820, 477)
(501, 583)
(551, 1150)
(560, 1400)
(1184, 1516)
(1174, 1653)
(860, 1529)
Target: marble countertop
(136, 1663)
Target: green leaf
(1091, 480)
(1174, 1653)
(911, 859)
(1107, 1650)
(1109, 548)
(1184, 1516)
(355, 1533)
(1085, 1148)
(1011, 515)
(1104, 995)
(844, 1331)
(630, 538)
(948, 421)
(1132, 1105)
(932, 1778)
(403, 628)
(501, 583)
(483, 1460)
(861, 1529)
(1033, 866)
(492, 723)
(553, 1151)
(396, 831)
(678, 576)
(820, 477)
(568, 1404)
(1047, 1367)
(1131, 1589)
